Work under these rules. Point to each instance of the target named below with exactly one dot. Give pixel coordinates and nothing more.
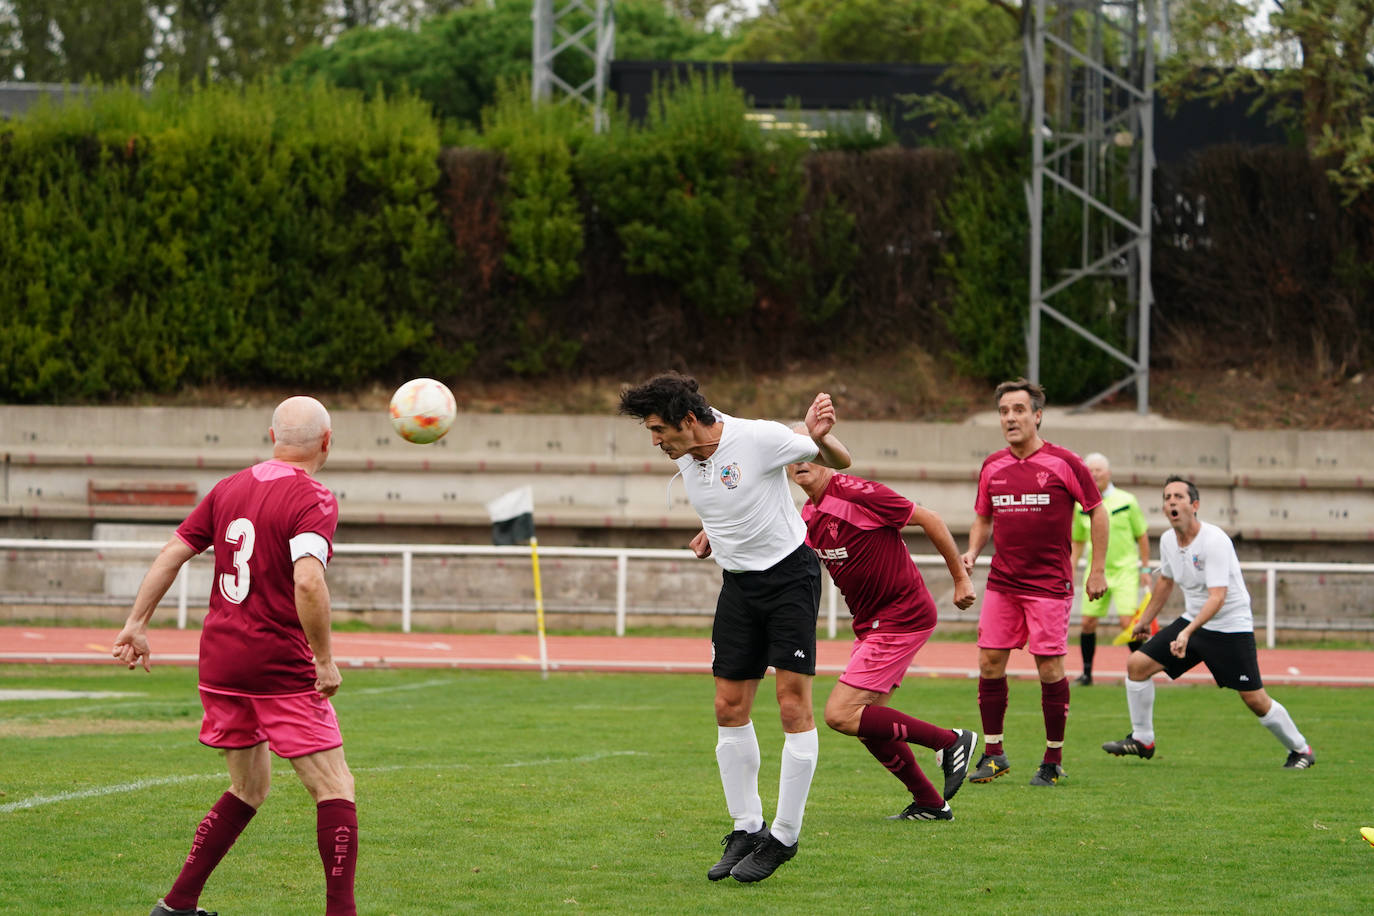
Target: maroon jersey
(1031, 502)
(252, 641)
(856, 532)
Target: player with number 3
(266, 664)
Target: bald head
(300, 431)
(1100, 468)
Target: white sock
(1140, 700)
(1278, 721)
(737, 755)
(799, 753)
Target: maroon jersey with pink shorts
(252, 642)
(1030, 501)
(856, 532)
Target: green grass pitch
(498, 792)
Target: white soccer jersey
(742, 495)
(1208, 562)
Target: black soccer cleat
(764, 860)
(990, 766)
(1128, 746)
(162, 909)
(954, 760)
(1300, 760)
(738, 844)
(915, 812)
(1048, 774)
(1084, 680)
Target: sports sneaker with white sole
(954, 760)
(915, 812)
(1129, 746)
(990, 766)
(162, 909)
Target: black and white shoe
(764, 860)
(738, 844)
(1300, 760)
(162, 909)
(1128, 746)
(915, 812)
(954, 760)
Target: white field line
(38, 801)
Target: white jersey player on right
(1216, 628)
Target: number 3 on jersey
(234, 587)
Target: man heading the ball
(735, 472)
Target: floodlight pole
(559, 28)
(1100, 108)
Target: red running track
(90, 645)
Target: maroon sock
(900, 762)
(214, 835)
(992, 707)
(884, 722)
(336, 832)
(1054, 702)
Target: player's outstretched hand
(701, 545)
(131, 648)
(327, 678)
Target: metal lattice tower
(1088, 88)
(559, 29)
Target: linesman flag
(512, 517)
(1125, 635)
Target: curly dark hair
(672, 396)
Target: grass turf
(485, 792)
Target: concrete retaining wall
(597, 481)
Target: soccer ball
(422, 410)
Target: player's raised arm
(820, 420)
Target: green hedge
(268, 235)
(303, 236)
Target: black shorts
(768, 618)
(1231, 657)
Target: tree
(456, 62)
(70, 41)
(239, 40)
(1307, 63)
(880, 31)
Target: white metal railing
(623, 556)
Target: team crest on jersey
(1197, 562)
(729, 475)
(1042, 478)
(834, 529)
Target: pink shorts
(879, 661)
(292, 726)
(1010, 621)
